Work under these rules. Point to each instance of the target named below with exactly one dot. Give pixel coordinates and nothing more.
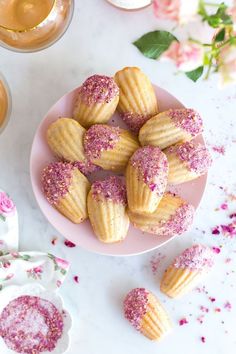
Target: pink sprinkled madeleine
(66, 189)
(97, 100)
(146, 314)
(29, 324)
(187, 270)
(171, 127)
(107, 204)
(109, 147)
(187, 161)
(172, 217)
(146, 179)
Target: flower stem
(209, 67)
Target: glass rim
(30, 28)
(9, 103)
(127, 9)
(48, 45)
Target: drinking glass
(5, 103)
(32, 25)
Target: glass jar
(5, 103)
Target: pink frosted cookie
(109, 147)
(173, 216)
(107, 203)
(66, 189)
(187, 161)
(187, 270)
(146, 179)
(96, 101)
(146, 314)
(171, 127)
(31, 325)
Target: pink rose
(186, 55)
(7, 207)
(61, 263)
(181, 11)
(227, 65)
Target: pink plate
(136, 242)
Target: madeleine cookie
(109, 147)
(107, 210)
(146, 179)
(146, 314)
(173, 216)
(138, 100)
(66, 189)
(97, 100)
(187, 270)
(171, 127)
(187, 161)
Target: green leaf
(2, 217)
(194, 75)
(220, 35)
(221, 17)
(26, 257)
(153, 44)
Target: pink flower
(61, 263)
(7, 207)
(181, 11)
(186, 55)
(227, 65)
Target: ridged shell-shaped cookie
(146, 314)
(137, 97)
(107, 210)
(187, 270)
(173, 216)
(65, 138)
(96, 101)
(171, 127)
(146, 179)
(109, 147)
(66, 189)
(187, 161)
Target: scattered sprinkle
(204, 309)
(232, 216)
(219, 149)
(212, 299)
(228, 306)
(76, 279)
(69, 244)
(217, 309)
(203, 339)
(224, 206)
(155, 262)
(216, 250)
(215, 231)
(54, 241)
(183, 321)
(200, 319)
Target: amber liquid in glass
(3, 104)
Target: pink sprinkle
(224, 206)
(228, 260)
(195, 156)
(215, 231)
(112, 188)
(228, 306)
(76, 279)
(134, 120)
(204, 309)
(135, 306)
(232, 216)
(203, 339)
(229, 230)
(219, 149)
(217, 309)
(29, 324)
(152, 165)
(98, 89)
(197, 257)
(183, 321)
(187, 119)
(212, 299)
(200, 319)
(155, 262)
(86, 167)
(69, 244)
(216, 250)
(54, 240)
(56, 179)
(99, 138)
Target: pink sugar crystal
(56, 180)
(135, 306)
(100, 137)
(195, 156)
(86, 167)
(187, 119)
(111, 188)
(197, 257)
(183, 321)
(29, 324)
(134, 120)
(98, 89)
(152, 165)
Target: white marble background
(99, 41)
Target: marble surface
(99, 41)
